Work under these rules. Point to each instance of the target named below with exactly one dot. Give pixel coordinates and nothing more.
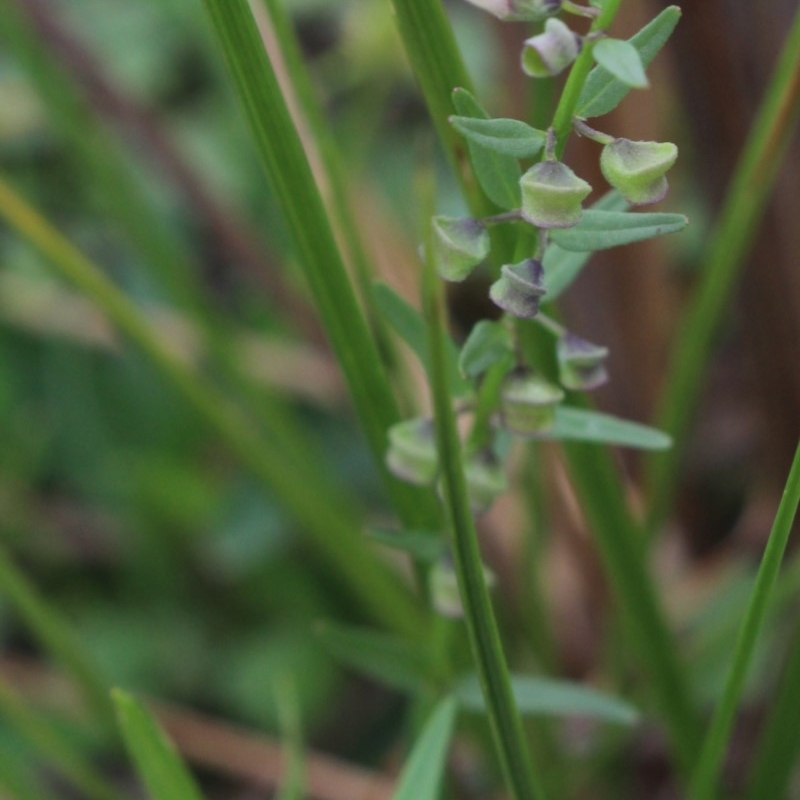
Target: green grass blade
(331, 525)
(54, 636)
(18, 780)
(704, 780)
(484, 637)
(722, 262)
(289, 713)
(54, 747)
(156, 759)
(421, 778)
(289, 174)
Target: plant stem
(484, 637)
(723, 260)
(704, 778)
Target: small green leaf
(509, 137)
(421, 777)
(388, 659)
(410, 327)
(497, 174)
(421, 545)
(622, 60)
(599, 230)
(155, 757)
(592, 426)
(487, 343)
(603, 92)
(547, 696)
(562, 267)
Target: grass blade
(155, 757)
(705, 776)
(723, 260)
(422, 776)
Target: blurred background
(181, 577)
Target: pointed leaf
(592, 426)
(562, 267)
(487, 343)
(509, 137)
(155, 757)
(421, 545)
(602, 92)
(622, 60)
(410, 327)
(421, 778)
(497, 174)
(546, 696)
(387, 659)
(599, 230)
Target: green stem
(723, 260)
(704, 779)
(332, 525)
(484, 637)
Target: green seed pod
(580, 363)
(412, 453)
(519, 10)
(443, 584)
(461, 244)
(486, 480)
(528, 403)
(519, 288)
(551, 51)
(552, 195)
(636, 169)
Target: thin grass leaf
(410, 327)
(704, 779)
(602, 91)
(497, 173)
(537, 695)
(600, 230)
(19, 780)
(561, 266)
(289, 713)
(386, 659)
(581, 425)
(421, 778)
(156, 759)
(507, 137)
(622, 60)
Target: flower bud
(550, 52)
(412, 453)
(519, 10)
(580, 363)
(528, 403)
(445, 596)
(519, 288)
(461, 244)
(486, 480)
(552, 195)
(636, 169)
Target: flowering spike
(461, 244)
(519, 288)
(636, 169)
(551, 51)
(552, 195)
(580, 363)
(412, 453)
(519, 10)
(528, 403)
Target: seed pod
(636, 169)
(519, 288)
(580, 363)
(551, 51)
(528, 403)
(552, 195)
(461, 244)
(486, 480)
(412, 453)
(519, 10)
